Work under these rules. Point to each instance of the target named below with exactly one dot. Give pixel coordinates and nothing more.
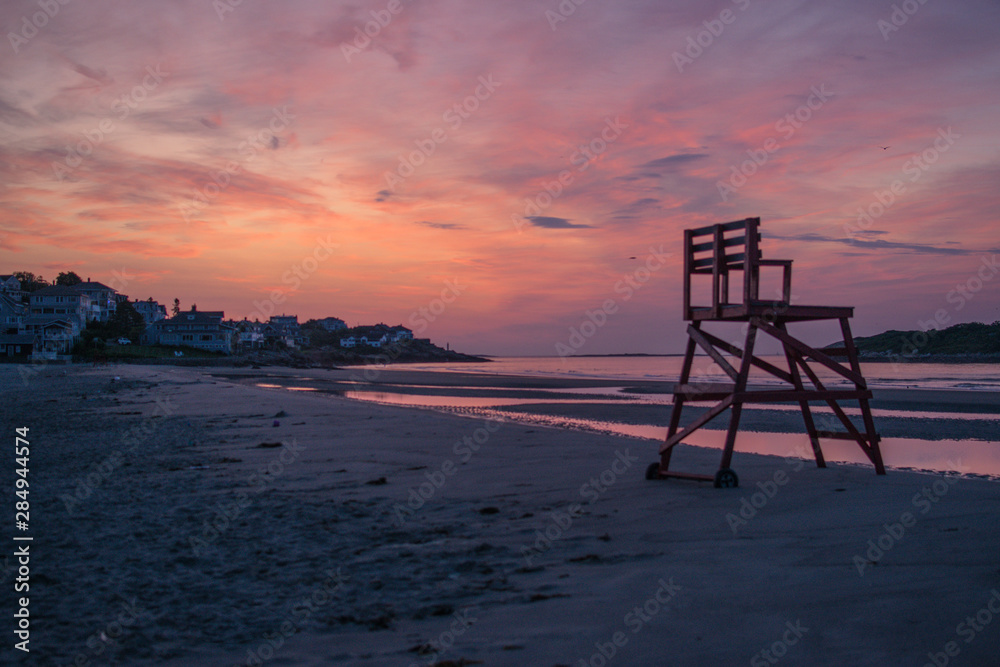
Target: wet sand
(176, 524)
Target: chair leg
(875, 453)
(741, 385)
(793, 369)
(678, 406)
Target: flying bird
(885, 148)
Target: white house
(61, 302)
(102, 298)
(200, 329)
(349, 341)
(54, 338)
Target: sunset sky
(221, 152)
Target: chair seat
(771, 311)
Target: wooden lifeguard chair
(719, 251)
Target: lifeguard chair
(719, 251)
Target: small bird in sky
(631, 257)
(885, 148)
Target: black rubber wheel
(653, 471)
(726, 479)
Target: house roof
(93, 285)
(7, 276)
(57, 290)
(46, 321)
(9, 303)
(196, 317)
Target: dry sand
(169, 529)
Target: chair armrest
(786, 283)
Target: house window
(205, 337)
(187, 337)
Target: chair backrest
(717, 250)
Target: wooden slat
(726, 243)
(699, 338)
(836, 435)
(726, 226)
(687, 475)
(697, 424)
(756, 361)
(733, 261)
(688, 270)
(793, 396)
(812, 353)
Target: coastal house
(332, 324)
(378, 335)
(247, 335)
(201, 329)
(61, 302)
(150, 310)
(283, 330)
(12, 314)
(53, 337)
(103, 299)
(11, 286)
(17, 345)
(399, 333)
(375, 336)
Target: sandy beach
(185, 516)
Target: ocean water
(978, 455)
(972, 376)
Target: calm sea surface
(923, 375)
(980, 455)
